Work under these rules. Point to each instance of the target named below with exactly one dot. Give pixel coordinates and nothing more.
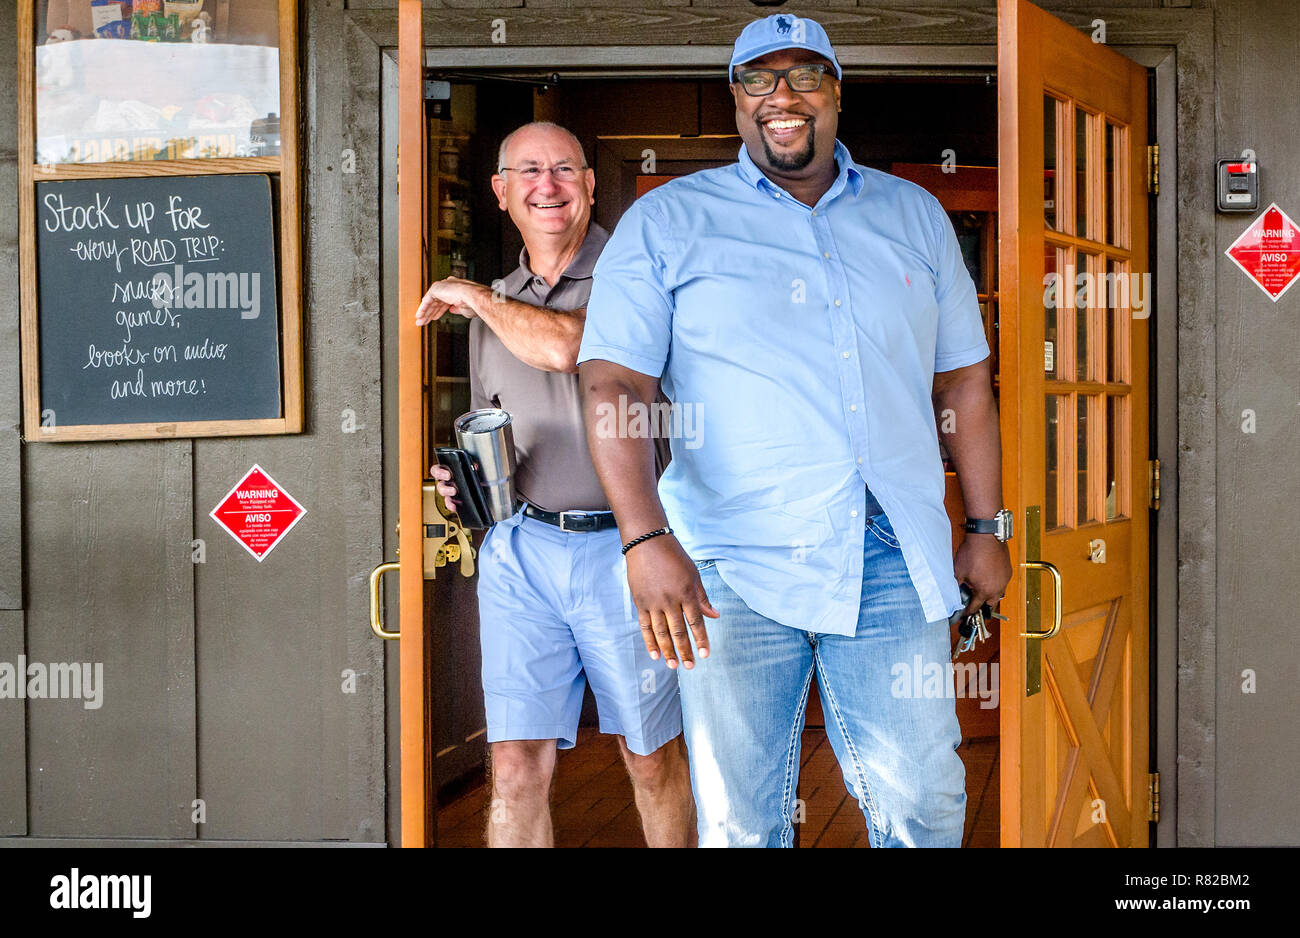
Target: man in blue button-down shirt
(808, 317)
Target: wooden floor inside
(591, 799)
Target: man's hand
(445, 488)
(462, 297)
(983, 564)
(669, 597)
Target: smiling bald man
(554, 611)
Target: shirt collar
(849, 173)
(580, 268)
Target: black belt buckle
(577, 521)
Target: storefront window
(121, 80)
(165, 115)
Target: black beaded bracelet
(645, 537)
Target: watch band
(999, 525)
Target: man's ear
(837, 95)
(499, 187)
(591, 184)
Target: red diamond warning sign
(258, 513)
(1269, 252)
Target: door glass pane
(1049, 161)
(969, 228)
(1051, 504)
(1085, 301)
(1118, 305)
(1051, 299)
(1081, 173)
(1086, 409)
(1112, 193)
(156, 80)
(1116, 458)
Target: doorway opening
(638, 132)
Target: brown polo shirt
(554, 470)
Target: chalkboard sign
(157, 300)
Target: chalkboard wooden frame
(289, 279)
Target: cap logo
(791, 26)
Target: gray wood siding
(13, 713)
(223, 679)
(108, 526)
(13, 735)
(11, 542)
(1258, 738)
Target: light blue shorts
(555, 613)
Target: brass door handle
(376, 613)
(1056, 580)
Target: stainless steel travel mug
(487, 436)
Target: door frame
(1178, 45)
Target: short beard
(795, 161)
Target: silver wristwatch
(999, 525)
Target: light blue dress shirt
(805, 341)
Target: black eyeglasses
(762, 81)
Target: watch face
(1004, 525)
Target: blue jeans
(743, 714)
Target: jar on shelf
(448, 215)
(449, 159)
(459, 266)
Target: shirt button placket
(842, 332)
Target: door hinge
(1153, 796)
(399, 167)
(1153, 169)
(1153, 484)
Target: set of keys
(973, 627)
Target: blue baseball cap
(781, 31)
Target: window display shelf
(119, 100)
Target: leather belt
(573, 520)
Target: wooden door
(1072, 198)
(416, 795)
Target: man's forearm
(625, 465)
(544, 338)
(974, 444)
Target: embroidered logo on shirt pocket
(704, 564)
